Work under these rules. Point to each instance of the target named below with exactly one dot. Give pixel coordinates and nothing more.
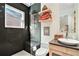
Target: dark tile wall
(13, 40)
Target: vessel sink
(68, 41)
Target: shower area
(35, 27)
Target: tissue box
(58, 36)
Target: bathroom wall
(54, 25)
(76, 8)
(13, 40)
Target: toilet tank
(44, 45)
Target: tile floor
(22, 53)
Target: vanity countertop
(55, 42)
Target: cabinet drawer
(58, 48)
(68, 51)
(73, 52)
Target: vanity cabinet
(55, 47)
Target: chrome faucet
(66, 31)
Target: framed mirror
(68, 23)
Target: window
(14, 18)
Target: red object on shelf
(45, 15)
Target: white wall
(77, 9)
(54, 25)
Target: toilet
(42, 51)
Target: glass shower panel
(35, 27)
(35, 30)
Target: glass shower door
(35, 29)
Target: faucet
(66, 31)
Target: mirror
(68, 23)
(68, 20)
(63, 23)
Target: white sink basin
(68, 41)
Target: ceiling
(62, 6)
(28, 4)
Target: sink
(71, 42)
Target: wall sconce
(74, 21)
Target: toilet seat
(41, 52)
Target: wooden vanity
(62, 50)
